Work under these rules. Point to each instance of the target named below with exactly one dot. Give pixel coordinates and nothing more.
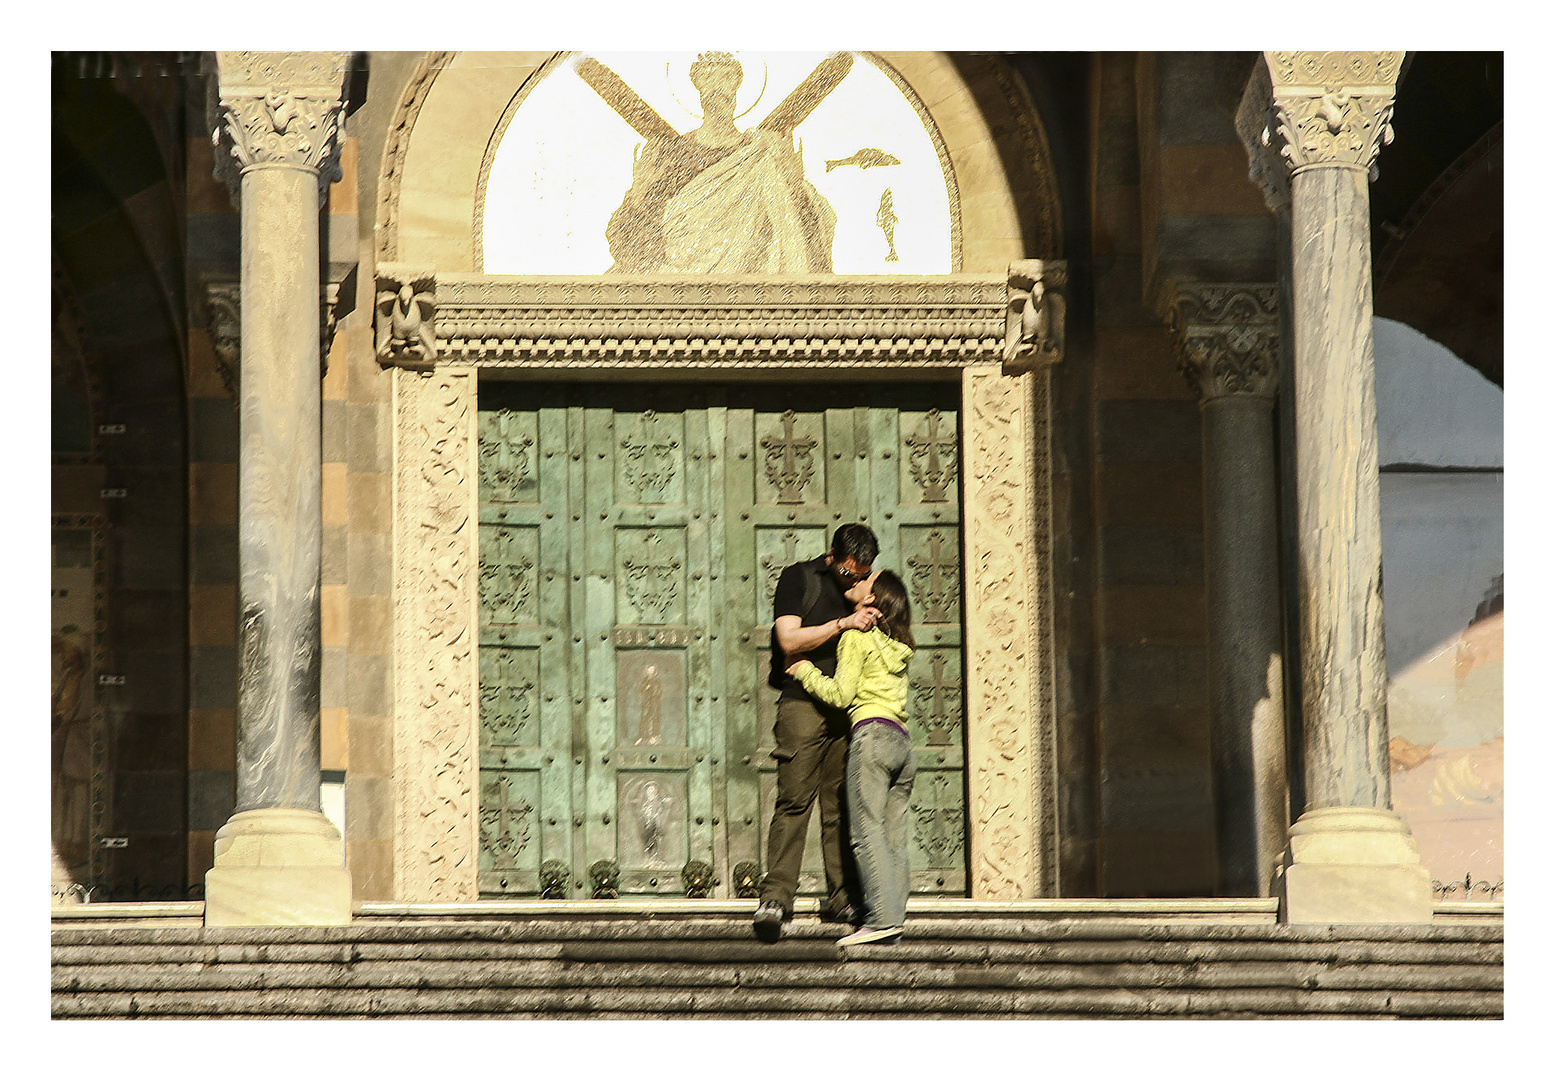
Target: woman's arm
(840, 690)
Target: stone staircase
(699, 959)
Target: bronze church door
(630, 540)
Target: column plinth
(1349, 858)
(279, 860)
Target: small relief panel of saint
(754, 163)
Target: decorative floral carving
(650, 459)
(506, 823)
(1332, 108)
(435, 615)
(1226, 338)
(1001, 617)
(280, 109)
(1036, 314)
(787, 461)
(933, 457)
(832, 322)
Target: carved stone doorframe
(995, 333)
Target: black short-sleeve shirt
(789, 599)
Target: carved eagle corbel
(403, 315)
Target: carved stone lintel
(404, 308)
(1226, 338)
(1332, 109)
(831, 322)
(1036, 314)
(224, 322)
(284, 109)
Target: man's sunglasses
(850, 575)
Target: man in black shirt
(810, 612)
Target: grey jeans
(879, 774)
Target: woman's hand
(864, 619)
(794, 664)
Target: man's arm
(840, 690)
(796, 639)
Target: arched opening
(701, 480)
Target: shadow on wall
(1447, 714)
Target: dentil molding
(538, 323)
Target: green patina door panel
(631, 538)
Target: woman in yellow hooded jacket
(872, 683)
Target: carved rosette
(1332, 109)
(1036, 314)
(285, 109)
(1002, 632)
(435, 614)
(1226, 339)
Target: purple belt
(894, 724)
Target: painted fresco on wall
(1441, 426)
(1448, 760)
(762, 163)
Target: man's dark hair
(856, 542)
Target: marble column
(1349, 858)
(1227, 340)
(279, 860)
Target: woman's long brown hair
(892, 599)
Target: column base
(279, 867)
(1352, 864)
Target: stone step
(674, 966)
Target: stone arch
(430, 173)
(120, 506)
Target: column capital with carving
(278, 109)
(1332, 109)
(1036, 314)
(1226, 338)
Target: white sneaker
(866, 935)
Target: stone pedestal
(278, 867)
(1349, 864)
(1349, 859)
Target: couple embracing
(840, 659)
